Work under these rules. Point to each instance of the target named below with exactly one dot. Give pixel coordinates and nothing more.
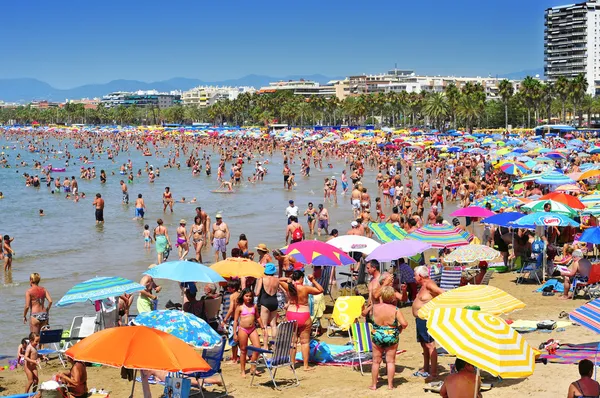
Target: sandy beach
(550, 380)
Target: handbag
(177, 387)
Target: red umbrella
(565, 199)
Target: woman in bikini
(245, 318)
(34, 302)
(266, 290)
(167, 199)
(183, 246)
(388, 322)
(311, 217)
(298, 309)
(197, 236)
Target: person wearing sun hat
(183, 246)
(263, 254)
(219, 237)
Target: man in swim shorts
(355, 197)
(125, 193)
(220, 237)
(99, 204)
(140, 207)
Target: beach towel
(573, 353)
(557, 286)
(524, 326)
(340, 355)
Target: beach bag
(177, 387)
(537, 246)
(52, 389)
(319, 352)
(297, 234)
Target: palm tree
(562, 89)
(452, 96)
(436, 108)
(578, 87)
(547, 98)
(469, 108)
(506, 91)
(529, 87)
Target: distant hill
(27, 89)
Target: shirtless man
(355, 198)
(74, 185)
(98, 203)
(286, 174)
(323, 221)
(219, 237)
(354, 229)
(140, 207)
(462, 383)
(428, 291)
(125, 193)
(204, 219)
(432, 216)
(373, 269)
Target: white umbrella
(354, 243)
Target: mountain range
(24, 90)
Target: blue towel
(557, 286)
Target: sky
(70, 43)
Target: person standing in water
(161, 239)
(35, 297)
(168, 199)
(99, 204)
(182, 244)
(220, 237)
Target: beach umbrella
(483, 340)
(588, 315)
(354, 243)
(99, 288)
(555, 155)
(470, 253)
(548, 219)
(555, 207)
(514, 168)
(185, 271)
(441, 236)
(398, 249)
(503, 219)
(589, 174)
(497, 202)
(138, 347)
(490, 299)
(591, 235)
(554, 178)
(472, 211)
(591, 200)
(564, 198)
(183, 325)
(573, 188)
(238, 267)
(387, 232)
(317, 253)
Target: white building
(203, 96)
(305, 88)
(572, 43)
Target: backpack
(297, 234)
(537, 246)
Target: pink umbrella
(473, 211)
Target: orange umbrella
(565, 199)
(138, 347)
(238, 267)
(589, 174)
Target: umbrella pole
(476, 383)
(133, 386)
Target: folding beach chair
(346, 310)
(81, 327)
(280, 355)
(486, 278)
(214, 358)
(52, 338)
(450, 279)
(325, 280)
(360, 333)
(591, 286)
(435, 276)
(531, 271)
(355, 278)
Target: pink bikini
(248, 311)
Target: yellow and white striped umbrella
(490, 299)
(482, 340)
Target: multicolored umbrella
(441, 235)
(398, 249)
(548, 219)
(588, 315)
(99, 288)
(497, 202)
(183, 325)
(238, 267)
(185, 271)
(354, 243)
(554, 178)
(317, 253)
(490, 299)
(573, 188)
(514, 168)
(387, 232)
(564, 198)
(537, 206)
(472, 211)
(470, 253)
(483, 340)
(591, 200)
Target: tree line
(466, 107)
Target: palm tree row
(455, 107)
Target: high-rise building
(572, 43)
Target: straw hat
(219, 215)
(182, 221)
(262, 247)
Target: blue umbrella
(503, 219)
(591, 235)
(183, 325)
(185, 271)
(554, 178)
(548, 219)
(99, 288)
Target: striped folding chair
(450, 279)
(360, 333)
(486, 278)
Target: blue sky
(68, 43)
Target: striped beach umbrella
(564, 198)
(482, 340)
(318, 253)
(554, 178)
(490, 299)
(514, 168)
(590, 200)
(387, 232)
(99, 288)
(470, 253)
(548, 219)
(441, 236)
(573, 188)
(537, 206)
(497, 202)
(588, 315)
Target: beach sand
(550, 380)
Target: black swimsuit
(268, 301)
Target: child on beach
(147, 237)
(31, 362)
(243, 245)
(8, 253)
(245, 320)
(230, 298)
(21, 352)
